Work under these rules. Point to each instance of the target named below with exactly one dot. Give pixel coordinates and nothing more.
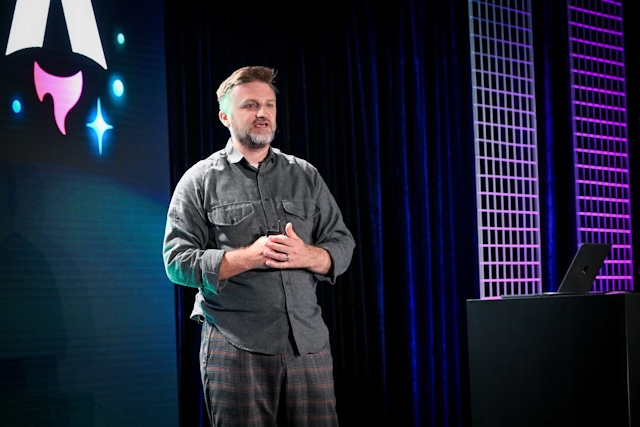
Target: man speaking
(254, 230)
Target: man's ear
(223, 118)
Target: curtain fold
(378, 98)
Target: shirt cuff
(211, 262)
(337, 268)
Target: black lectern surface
(555, 361)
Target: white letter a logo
(30, 22)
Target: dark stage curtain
(378, 97)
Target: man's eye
(249, 105)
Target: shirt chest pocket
(301, 214)
(233, 224)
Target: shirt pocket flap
(303, 209)
(230, 214)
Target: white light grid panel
(603, 206)
(505, 147)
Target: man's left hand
(290, 251)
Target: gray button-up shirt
(224, 203)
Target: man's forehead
(253, 90)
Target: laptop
(584, 268)
(581, 274)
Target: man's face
(251, 116)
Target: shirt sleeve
(331, 233)
(188, 256)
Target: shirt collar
(234, 156)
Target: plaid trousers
(242, 388)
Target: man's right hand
(238, 261)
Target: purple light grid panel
(505, 147)
(603, 205)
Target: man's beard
(251, 140)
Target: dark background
(87, 314)
(378, 97)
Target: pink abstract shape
(65, 92)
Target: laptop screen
(584, 268)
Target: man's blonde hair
(241, 76)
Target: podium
(558, 360)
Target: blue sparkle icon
(99, 126)
(17, 106)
